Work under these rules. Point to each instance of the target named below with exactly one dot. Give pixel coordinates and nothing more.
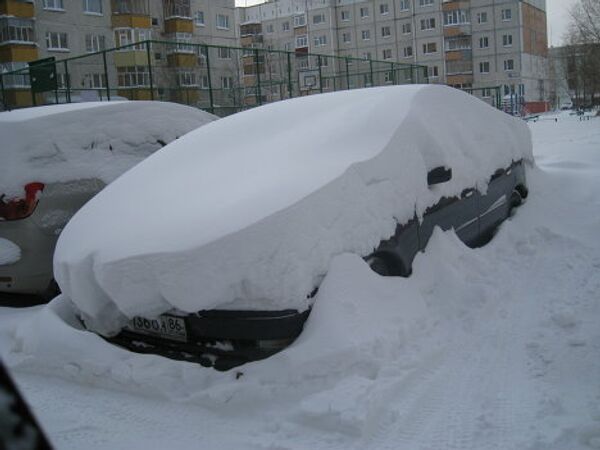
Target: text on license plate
(168, 327)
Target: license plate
(168, 327)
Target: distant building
(476, 44)
(63, 28)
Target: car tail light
(20, 208)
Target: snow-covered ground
(494, 348)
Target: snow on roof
(248, 211)
(20, 115)
(86, 140)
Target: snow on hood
(86, 140)
(247, 212)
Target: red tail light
(20, 208)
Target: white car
(219, 257)
(54, 159)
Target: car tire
(379, 265)
(515, 201)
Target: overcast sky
(557, 10)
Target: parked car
(229, 269)
(54, 159)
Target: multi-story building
(30, 30)
(472, 44)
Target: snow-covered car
(227, 272)
(54, 159)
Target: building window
(183, 43)
(16, 80)
(324, 61)
(484, 42)
(345, 15)
(423, 3)
(285, 26)
(506, 15)
(270, 28)
(486, 93)
(56, 41)
(199, 18)
(384, 9)
(177, 8)
(408, 52)
(14, 30)
(92, 6)
(302, 41)
(387, 53)
(54, 5)
(404, 5)
(430, 47)
(507, 40)
(227, 82)
(509, 65)
(222, 22)
(386, 32)
(432, 72)
(366, 35)
(133, 76)
(299, 20)
(428, 24)
(482, 17)
(95, 80)
(320, 41)
(346, 38)
(457, 17)
(94, 43)
(319, 18)
(224, 53)
(127, 36)
(187, 78)
(406, 28)
(364, 12)
(366, 55)
(484, 67)
(458, 43)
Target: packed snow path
(494, 348)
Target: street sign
(43, 75)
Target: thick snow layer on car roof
(253, 220)
(86, 140)
(19, 115)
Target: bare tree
(585, 22)
(583, 52)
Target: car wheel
(378, 265)
(515, 201)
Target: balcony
(177, 9)
(17, 8)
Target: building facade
(31, 30)
(469, 44)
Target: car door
(494, 205)
(460, 213)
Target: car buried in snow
(54, 159)
(217, 256)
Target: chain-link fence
(219, 79)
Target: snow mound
(253, 220)
(88, 140)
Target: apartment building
(469, 44)
(30, 30)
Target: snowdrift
(86, 140)
(253, 220)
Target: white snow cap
(86, 140)
(247, 212)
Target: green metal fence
(219, 79)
